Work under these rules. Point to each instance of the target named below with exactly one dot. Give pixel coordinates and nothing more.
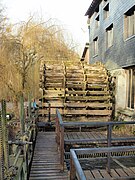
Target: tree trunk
(16, 108)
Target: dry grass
(124, 130)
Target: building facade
(112, 41)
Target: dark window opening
(97, 9)
(97, 22)
(129, 23)
(106, 11)
(109, 36)
(95, 44)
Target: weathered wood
(88, 104)
(46, 160)
(79, 84)
(88, 92)
(88, 112)
(88, 98)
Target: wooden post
(109, 137)
(62, 147)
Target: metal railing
(61, 126)
(76, 168)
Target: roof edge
(92, 7)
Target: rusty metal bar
(1, 153)
(60, 137)
(22, 124)
(72, 169)
(109, 138)
(62, 147)
(75, 167)
(17, 157)
(57, 129)
(5, 135)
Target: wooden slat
(96, 174)
(89, 175)
(88, 98)
(121, 172)
(89, 81)
(129, 172)
(88, 92)
(114, 173)
(46, 160)
(88, 112)
(105, 174)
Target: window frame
(95, 46)
(130, 100)
(97, 22)
(129, 23)
(106, 11)
(109, 36)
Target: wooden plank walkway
(46, 160)
(95, 137)
(116, 174)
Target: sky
(70, 14)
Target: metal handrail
(60, 127)
(76, 168)
(75, 162)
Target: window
(131, 88)
(97, 9)
(95, 44)
(97, 22)
(109, 36)
(106, 11)
(129, 23)
(104, 2)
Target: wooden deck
(120, 173)
(95, 137)
(46, 160)
(109, 167)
